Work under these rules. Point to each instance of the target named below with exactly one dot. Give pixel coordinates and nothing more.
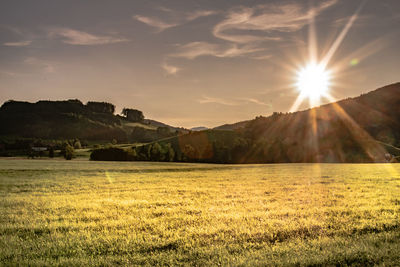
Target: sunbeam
(325, 61)
(312, 38)
(372, 148)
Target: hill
(94, 121)
(350, 130)
(199, 128)
(360, 129)
(233, 126)
(157, 124)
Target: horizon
(189, 64)
(116, 112)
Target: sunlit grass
(96, 213)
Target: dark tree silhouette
(51, 152)
(101, 107)
(68, 152)
(133, 115)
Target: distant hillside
(157, 124)
(69, 119)
(233, 126)
(345, 131)
(360, 129)
(200, 128)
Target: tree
(131, 154)
(101, 107)
(51, 152)
(68, 152)
(148, 151)
(189, 152)
(141, 153)
(222, 153)
(156, 152)
(110, 153)
(170, 153)
(133, 115)
(77, 144)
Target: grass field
(68, 213)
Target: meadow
(74, 213)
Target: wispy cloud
(247, 28)
(18, 44)
(75, 37)
(256, 101)
(199, 13)
(44, 65)
(155, 22)
(262, 57)
(208, 100)
(232, 102)
(173, 19)
(196, 49)
(169, 69)
(10, 73)
(261, 23)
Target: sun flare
(313, 81)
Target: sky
(194, 63)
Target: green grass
(75, 213)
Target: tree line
(216, 151)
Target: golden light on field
(313, 81)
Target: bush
(77, 144)
(110, 154)
(51, 152)
(68, 152)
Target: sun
(313, 81)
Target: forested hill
(72, 119)
(361, 129)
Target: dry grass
(105, 213)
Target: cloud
(208, 100)
(18, 44)
(46, 66)
(74, 37)
(199, 13)
(246, 29)
(9, 73)
(256, 101)
(234, 102)
(196, 49)
(260, 23)
(262, 57)
(154, 22)
(174, 18)
(169, 69)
